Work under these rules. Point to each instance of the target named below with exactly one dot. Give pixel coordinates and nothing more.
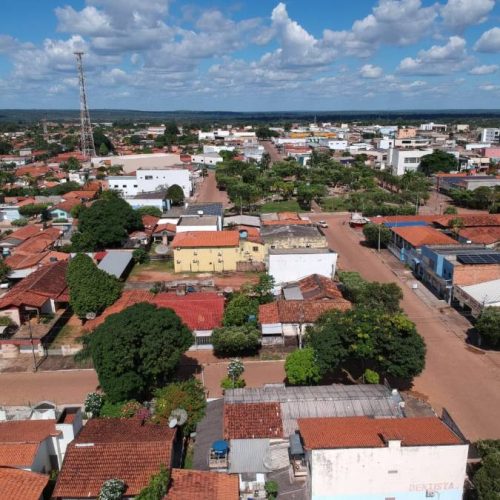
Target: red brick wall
(470, 275)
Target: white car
(322, 224)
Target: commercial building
(403, 160)
(474, 298)
(131, 163)
(210, 159)
(490, 135)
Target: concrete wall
(293, 267)
(405, 473)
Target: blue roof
(220, 446)
(406, 223)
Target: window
(255, 249)
(148, 177)
(124, 185)
(135, 185)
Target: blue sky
(254, 55)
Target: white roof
(487, 293)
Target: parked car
(322, 224)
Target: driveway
(456, 377)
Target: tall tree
(488, 326)
(438, 161)
(175, 194)
(138, 350)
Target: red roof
(47, 282)
(202, 485)
(481, 235)
(299, 311)
(88, 194)
(16, 484)
(317, 287)
(125, 449)
(252, 421)
(365, 432)
(199, 310)
(469, 220)
(23, 233)
(169, 227)
(418, 236)
(197, 239)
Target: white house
(293, 264)
(334, 144)
(402, 160)
(383, 458)
(211, 148)
(206, 159)
(148, 180)
(490, 135)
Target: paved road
(208, 192)
(60, 387)
(271, 150)
(463, 381)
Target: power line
(86, 137)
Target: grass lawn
(67, 335)
(153, 265)
(280, 206)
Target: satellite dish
(90, 315)
(161, 250)
(172, 423)
(179, 416)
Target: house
(200, 311)
(259, 425)
(216, 251)
(17, 484)
(407, 242)
(208, 159)
(38, 444)
(444, 266)
(62, 210)
(7, 243)
(164, 233)
(202, 485)
(372, 458)
(117, 263)
(197, 223)
(293, 264)
(22, 264)
(286, 236)
(474, 298)
(403, 160)
(42, 292)
(156, 199)
(313, 287)
(146, 180)
(285, 321)
(126, 449)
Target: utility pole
(379, 229)
(86, 137)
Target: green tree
(103, 149)
(301, 367)
(438, 161)
(488, 326)
(236, 340)
(5, 147)
(372, 232)
(140, 255)
(137, 350)
(20, 222)
(272, 489)
(100, 138)
(157, 487)
(263, 289)
(149, 210)
(105, 224)
(487, 477)
(450, 210)
(4, 270)
(71, 164)
(175, 194)
(91, 290)
(32, 210)
(93, 403)
(188, 395)
(240, 310)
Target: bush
(371, 377)
(93, 403)
(301, 367)
(5, 321)
(488, 326)
(227, 383)
(20, 222)
(140, 255)
(236, 340)
(112, 489)
(372, 232)
(271, 488)
(450, 210)
(157, 487)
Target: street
(462, 380)
(208, 192)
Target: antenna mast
(86, 138)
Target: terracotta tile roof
(159, 228)
(88, 194)
(202, 485)
(66, 205)
(23, 233)
(39, 242)
(33, 171)
(481, 235)
(16, 484)
(197, 239)
(125, 449)
(199, 310)
(418, 236)
(299, 311)
(316, 287)
(469, 220)
(365, 432)
(252, 421)
(403, 218)
(46, 282)
(20, 439)
(149, 221)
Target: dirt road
(270, 148)
(208, 192)
(457, 378)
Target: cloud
(489, 41)
(489, 87)
(438, 60)
(485, 69)
(370, 71)
(457, 14)
(89, 21)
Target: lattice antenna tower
(86, 136)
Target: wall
(293, 267)
(470, 275)
(370, 473)
(42, 462)
(318, 241)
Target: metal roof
(207, 208)
(115, 262)
(322, 401)
(487, 293)
(247, 455)
(242, 220)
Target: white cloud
(489, 87)
(370, 71)
(457, 14)
(89, 21)
(485, 69)
(438, 60)
(489, 41)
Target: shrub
(93, 403)
(140, 255)
(112, 489)
(271, 489)
(371, 376)
(157, 487)
(236, 340)
(227, 383)
(301, 367)
(20, 222)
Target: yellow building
(215, 251)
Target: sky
(252, 55)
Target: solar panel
(485, 258)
